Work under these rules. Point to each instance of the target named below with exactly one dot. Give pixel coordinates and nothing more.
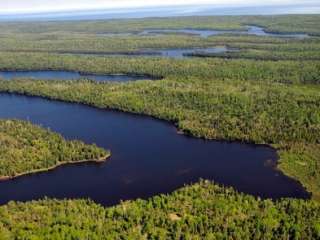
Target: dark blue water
(65, 75)
(148, 157)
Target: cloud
(23, 6)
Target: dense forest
(245, 46)
(26, 148)
(282, 23)
(260, 112)
(178, 70)
(265, 92)
(200, 211)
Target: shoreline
(42, 170)
(185, 132)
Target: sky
(38, 6)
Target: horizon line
(121, 9)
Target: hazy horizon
(46, 6)
(108, 9)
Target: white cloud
(26, 6)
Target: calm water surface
(148, 157)
(177, 53)
(204, 33)
(65, 75)
(182, 53)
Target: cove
(65, 75)
(148, 157)
(259, 31)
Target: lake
(148, 157)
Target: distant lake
(65, 75)
(177, 53)
(204, 33)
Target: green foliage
(26, 148)
(261, 51)
(88, 43)
(265, 101)
(257, 47)
(212, 98)
(234, 110)
(87, 37)
(122, 25)
(237, 110)
(180, 69)
(286, 23)
(264, 55)
(201, 211)
(302, 161)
